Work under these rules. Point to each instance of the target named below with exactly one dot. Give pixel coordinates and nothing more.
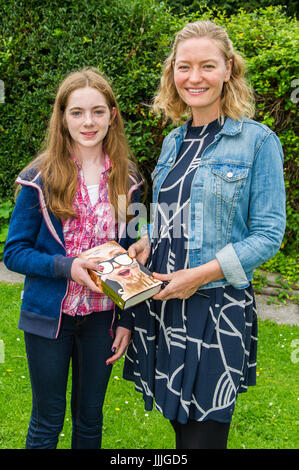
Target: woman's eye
(208, 66)
(99, 112)
(76, 113)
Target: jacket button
(170, 160)
(229, 174)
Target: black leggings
(201, 434)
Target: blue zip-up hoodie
(35, 247)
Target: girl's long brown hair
(59, 172)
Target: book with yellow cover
(126, 281)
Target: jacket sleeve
(23, 252)
(266, 217)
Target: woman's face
(88, 118)
(199, 73)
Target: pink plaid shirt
(95, 225)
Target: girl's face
(88, 118)
(199, 74)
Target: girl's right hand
(140, 250)
(80, 274)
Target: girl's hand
(140, 250)
(80, 274)
(120, 344)
(185, 282)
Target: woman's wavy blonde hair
(58, 170)
(237, 98)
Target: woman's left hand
(181, 285)
(185, 282)
(120, 344)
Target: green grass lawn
(266, 417)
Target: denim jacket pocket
(228, 181)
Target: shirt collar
(107, 162)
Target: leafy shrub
(231, 6)
(128, 40)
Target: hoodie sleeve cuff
(63, 266)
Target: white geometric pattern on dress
(225, 389)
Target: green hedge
(41, 42)
(231, 6)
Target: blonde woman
(219, 213)
(68, 203)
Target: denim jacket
(237, 204)
(35, 247)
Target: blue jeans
(85, 340)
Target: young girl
(68, 203)
(222, 175)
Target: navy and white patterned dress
(190, 357)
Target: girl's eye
(99, 112)
(76, 113)
(208, 66)
(183, 67)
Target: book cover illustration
(122, 278)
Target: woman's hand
(120, 344)
(185, 282)
(140, 250)
(80, 274)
